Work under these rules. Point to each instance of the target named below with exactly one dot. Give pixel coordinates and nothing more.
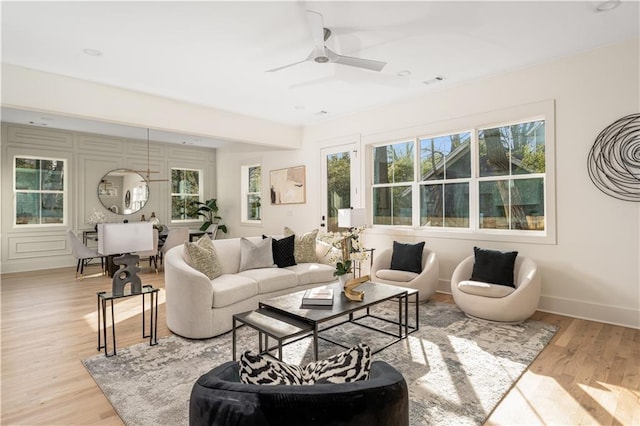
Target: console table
(105, 296)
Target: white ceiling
(216, 53)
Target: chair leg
(78, 267)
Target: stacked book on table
(318, 297)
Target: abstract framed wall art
(288, 186)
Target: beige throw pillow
(254, 256)
(304, 249)
(202, 256)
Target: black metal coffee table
(290, 306)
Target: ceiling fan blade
(287, 66)
(368, 64)
(316, 26)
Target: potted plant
(208, 210)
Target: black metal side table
(107, 296)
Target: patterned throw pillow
(283, 251)
(256, 369)
(254, 256)
(304, 246)
(349, 366)
(202, 256)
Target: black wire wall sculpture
(614, 159)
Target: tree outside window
(185, 190)
(393, 174)
(39, 191)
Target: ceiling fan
(322, 54)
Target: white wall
(592, 271)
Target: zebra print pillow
(349, 366)
(256, 369)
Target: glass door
(340, 177)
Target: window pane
(494, 152)
(431, 205)
(393, 163)
(513, 149)
(52, 211)
(392, 205)
(456, 205)
(27, 174)
(27, 208)
(527, 151)
(180, 206)
(185, 181)
(452, 211)
(338, 187)
(253, 202)
(522, 198)
(254, 179)
(445, 157)
(52, 174)
(494, 203)
(527, 204)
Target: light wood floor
(588, 374)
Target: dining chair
(175, 237)
(83, 253)
(153, 253)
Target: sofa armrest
(187, 290)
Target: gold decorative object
(355, 295)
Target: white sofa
(198, 308)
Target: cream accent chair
(495, 302)
(425, 282)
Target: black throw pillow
(407, 257)
(492, 266)
(283, 251)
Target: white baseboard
(615, 315)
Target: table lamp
(122, 239)
(352, 218)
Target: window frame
(172, 194)
(244, 194)
(544, 110)
(64, 192)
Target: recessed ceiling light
(299, 107)
(92, 52)
(403, 73)
(321, 112)
(606, 6)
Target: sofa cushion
(232, 288)
(271, 279)
(485, 289)
(202, 256)
(309, 273)
(304, 245)
(393, 275)
(283, 251)
(258, 255)
(494, 267)
(407, 257)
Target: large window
(185, 189)
(251, 180)
(490, 178)
(39, 191)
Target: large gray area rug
(457, 368)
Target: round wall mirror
(123, 191)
